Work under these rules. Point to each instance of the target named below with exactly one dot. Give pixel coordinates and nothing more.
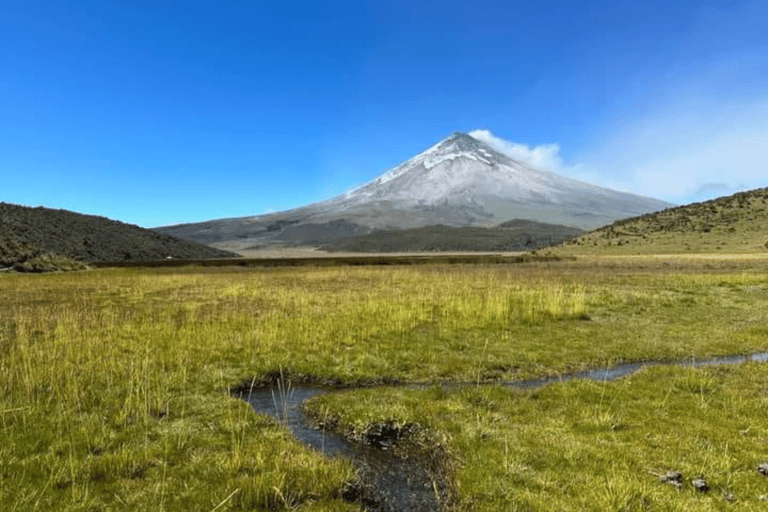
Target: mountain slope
(29, 234)
(513, 235)
(731, 224)
(458, 182)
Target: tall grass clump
(113, 397)
(553, 303)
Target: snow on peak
(458, 145)
(438, 159)
(407, 165)
(456, 148)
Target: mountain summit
(460, 181)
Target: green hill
(732, 224)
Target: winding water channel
(394, 484)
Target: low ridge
(513, 235)
(37, 239)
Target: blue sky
(165, 112)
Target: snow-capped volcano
(464, 171)
(460, 181)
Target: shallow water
(622, 370)
(391, 483)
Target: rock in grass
(673, 478)
(763, 469)
(700, 484)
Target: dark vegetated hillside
(513, 235)
(44, 234)
(26, 258)
(733, 223)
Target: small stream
(389, 483)
(394, 484)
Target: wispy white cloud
(703, 132)
(689, 150)
(699, 131)
(681, 152)
(545, 156)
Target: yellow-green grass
(114, 382)
(114, 397)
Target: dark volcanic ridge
(738, 222)
(513, 235)
(460, 182)
(36, 239)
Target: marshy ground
(115, 382)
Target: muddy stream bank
(389, 482)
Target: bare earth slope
(732, 224)
(458, 182)
(29, 233)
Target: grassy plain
(114, 391)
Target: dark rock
(673, 478)
(763, 468)
(700, 484)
